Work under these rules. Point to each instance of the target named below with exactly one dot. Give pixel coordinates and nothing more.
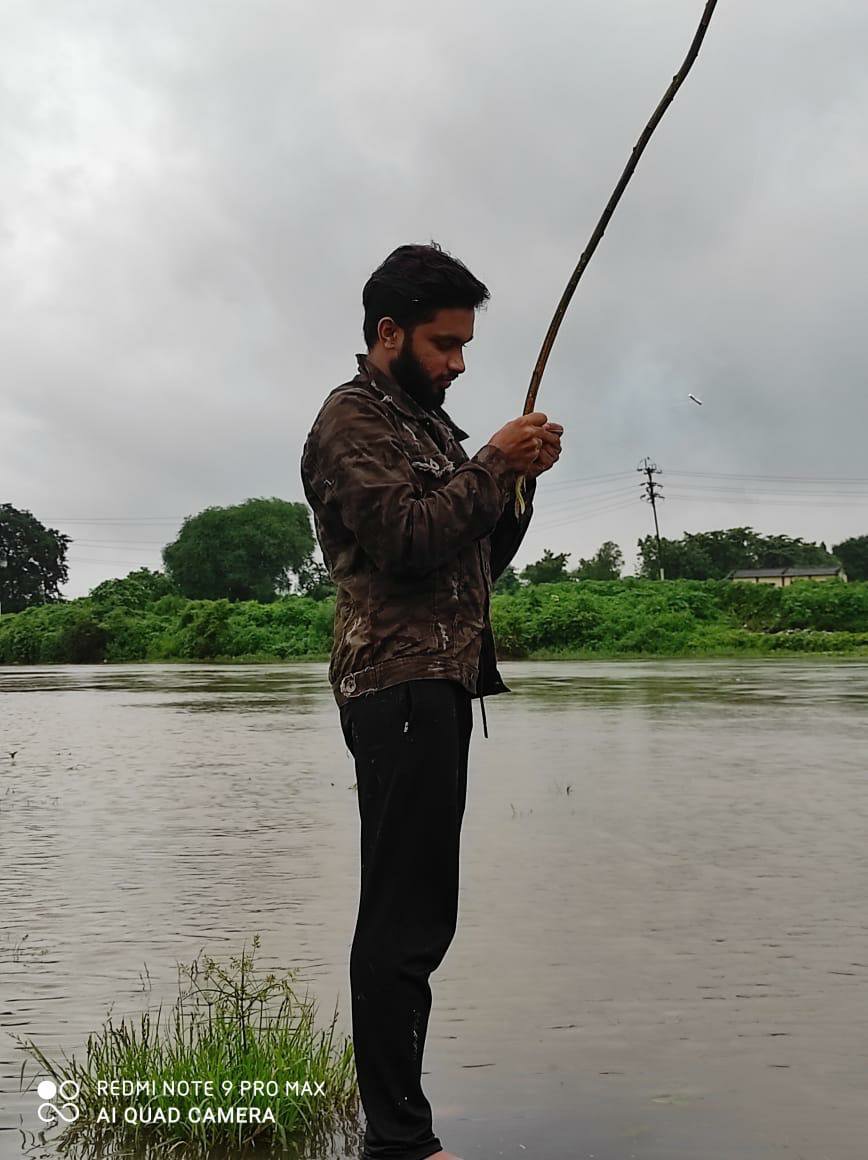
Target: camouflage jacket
(413, 533)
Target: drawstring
(484, 723)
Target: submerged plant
(237, 1064)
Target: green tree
(507, 581)
(134, 591)
(605, 565)
(853, 554)
(682, 559)
(713, 555)
(786, 552)
(549, 570)
(725, 550)
(35, 560)
(243, 552)
(314, 580)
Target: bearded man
(414, 534)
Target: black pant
(410, 743)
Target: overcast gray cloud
(192, 196)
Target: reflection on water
(662, 947)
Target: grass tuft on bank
(230, 1027)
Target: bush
(828, 606)
(83, 641)
(588, 617)
(129, 634)
(206, 623)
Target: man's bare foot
(444, 1156)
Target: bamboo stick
(600, 229)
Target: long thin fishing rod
(638, 150)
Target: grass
(17, 951)
(228, 1028)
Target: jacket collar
(401, 400)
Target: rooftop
(809, 570)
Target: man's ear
(389, 333)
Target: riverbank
(573, 620)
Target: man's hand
(550, 451)
(530, 443)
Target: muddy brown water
(662, 949)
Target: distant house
(781, 577)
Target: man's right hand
(522, 439)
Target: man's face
(432, 356)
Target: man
(414, 534)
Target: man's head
(419, 311)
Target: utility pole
(650, 495)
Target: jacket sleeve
(355, 459)
(509, 532)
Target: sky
(193, 194)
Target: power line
(776, 478)
(558, 484)
(719, 489)
(582, 516)
(119, 543)
(587, 480)
(762, 501)
(144, 520)
(723, 489)
(106, 563)
(573, 501)
(145, 553)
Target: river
(662, 949)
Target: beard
(412, 377)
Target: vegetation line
(136, 619)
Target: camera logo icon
(66, 1092)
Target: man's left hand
(549, 453)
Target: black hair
(414, 283)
